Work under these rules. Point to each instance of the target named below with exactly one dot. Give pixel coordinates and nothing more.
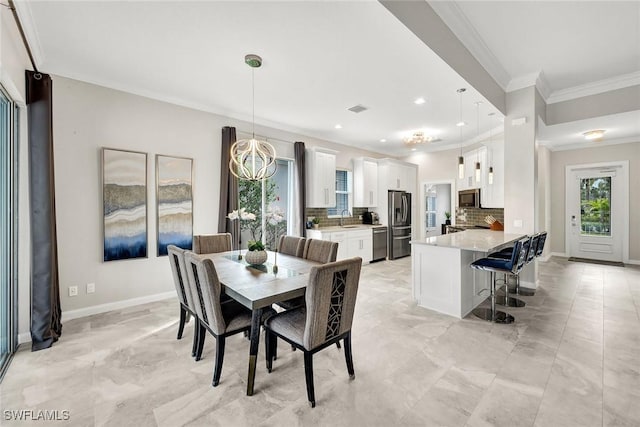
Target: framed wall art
(174, 202)
(124, 202)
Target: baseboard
(24, 338)
(102, 308)
(632, 262)
(560, 254)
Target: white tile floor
(571, 359)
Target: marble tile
(570, 359)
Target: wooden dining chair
(220, 319)
(185, 297)
(212, 243)
(290, 245)
(326, 318)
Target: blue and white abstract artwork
(174, 202)
(124, 194)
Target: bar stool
(496, 265)
(537, 246)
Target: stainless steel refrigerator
(399, 224)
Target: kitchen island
(442, 278)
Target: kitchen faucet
(342, 216)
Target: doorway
(437, 201)
(597, 208)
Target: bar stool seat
(505, 266)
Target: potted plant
(256, 254)
(316, 222)
(447, 216)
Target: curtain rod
(24, 38)
(249, 134)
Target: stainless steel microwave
(469, 198)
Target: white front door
(595, 213)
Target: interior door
(594, 210)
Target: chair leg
(308, 373)
(220, 341)
(183, 318)
(268, 351)
(202, 334)
(196, 330)
(348, 356)
(338, 345)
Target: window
(8, 228)
(271, 197)
(431, 212)
(343, 194)
(595, 206)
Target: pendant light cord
(253, 103)
(16, 18)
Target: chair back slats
(211, 243)
(290, 245)
(531, 253)
(542, 238)
(322, 251)
(204, 280)
(330, 300)
(180, 280)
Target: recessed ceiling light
(338, 126)
(419, 101)
(383, 140)
(460, 124)
(594, 135)
(413, 149)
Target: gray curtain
(45, 288)
(302, 184)
(228, 188)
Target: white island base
(443, 280)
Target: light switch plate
(91, 288)
(517, 223)
(73, 291)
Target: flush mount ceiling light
(418, 137)
(383, 140)
(338, 126)
(419, 101)
(594, 135)
(252, 159)
(461, 123)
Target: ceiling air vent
(358, 108)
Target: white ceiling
(321, 58)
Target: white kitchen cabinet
(351, 242)
(365, 182)
(321, 178)
(360, 243)
(491, 195)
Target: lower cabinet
(351, 243)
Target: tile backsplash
(321, 214)
(475, 216)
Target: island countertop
(472, 240)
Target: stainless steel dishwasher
(379, 243)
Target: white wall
(13, 62)
(88, 117)
(610, 153)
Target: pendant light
(252, 159)
(478, 170)
(490, 177)
(460, 124)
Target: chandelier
(252, 159)
(418, 138)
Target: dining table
(257, 287)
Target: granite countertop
(350, 227)
(471, 240)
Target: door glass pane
(595, 206)
(5, 228)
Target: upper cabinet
(492, 154)
(321, 178)
(365, 182)
(396, 175)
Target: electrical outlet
(73, 291)
(91, 288)
(360, 217)
(517, 223)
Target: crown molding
(23, 9)
(536, 79)
(589, 144)
(594, 88)
(464, 30)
